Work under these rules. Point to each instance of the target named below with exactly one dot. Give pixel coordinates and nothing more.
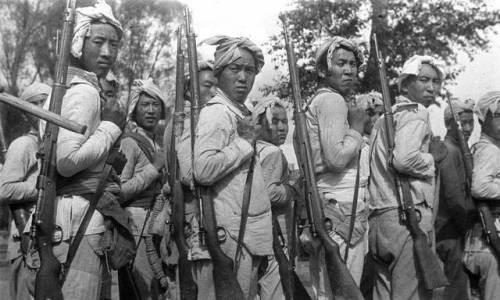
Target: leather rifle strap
(73, 247)
(244, 210)
(354, 209)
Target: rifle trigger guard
(221, 234)
(57, 235)
(328, 224)
(418, 215)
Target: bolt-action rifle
(225, 279)
(487, 220)
(48, 285)
(428, 265)
(341, 281)
(187, 286)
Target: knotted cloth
(228, 51)
(488, 102)
(329, 47)
(85, 16)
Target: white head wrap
(369, 100)
(35, 89)
(100, 12)
(413, 65)
(146, 87)
(459, 106)
(488, 102)
(265, 106)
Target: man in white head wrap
(336, 127)
(225, 136)
(18, 190)
(479, 257)
(415, 156)
(81, 157)
(271, 114)
(455, 202)
(142, 174)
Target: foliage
(404, 28)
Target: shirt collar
(239, 109)
(77, 75)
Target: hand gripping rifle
(487, 220)
(341, 281)
(225, 280)
(187, 286)
(428, 264)
(47, 285)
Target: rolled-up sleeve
(77, 152)
(138, 173)
(485, 175)
(340, 144)
(15, 184)
(216, 155)
(408, 155)
(272, 171)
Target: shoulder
(215, 112)
(22, 142)
(484, 147)
(266, 150)
(327, 98)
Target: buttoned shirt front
(222, 161)
(410, 156)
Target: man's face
(100, 49)
(424, 88)
(374, 114)
(208, 84)
(148, 112)
(343, 74)
(491, 124)
(276, 132)
(108, 90)
(236, 80)
(467, 123)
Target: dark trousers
(450, 251)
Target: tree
(146, 51)
(404, 28)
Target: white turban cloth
(85, 16)
(488, 102)
(266, 106)
(459, 106)
(147, 87)
(30, 92)
(414, 64)
(370, 100)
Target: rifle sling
(244, 211)
(353, 210)
(73, 247)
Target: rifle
(3, 144)
(48, 285)
(341, 281)
(292, 286)
(487, 220)
(188, 288)
(428, 263)
(225, 278)
(41, 113)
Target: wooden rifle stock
(41, 113)
(292, 286)
(341, 281)
(487, 220)
(48, 285)
(225, 279)
(431, 274)
(187, 285)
